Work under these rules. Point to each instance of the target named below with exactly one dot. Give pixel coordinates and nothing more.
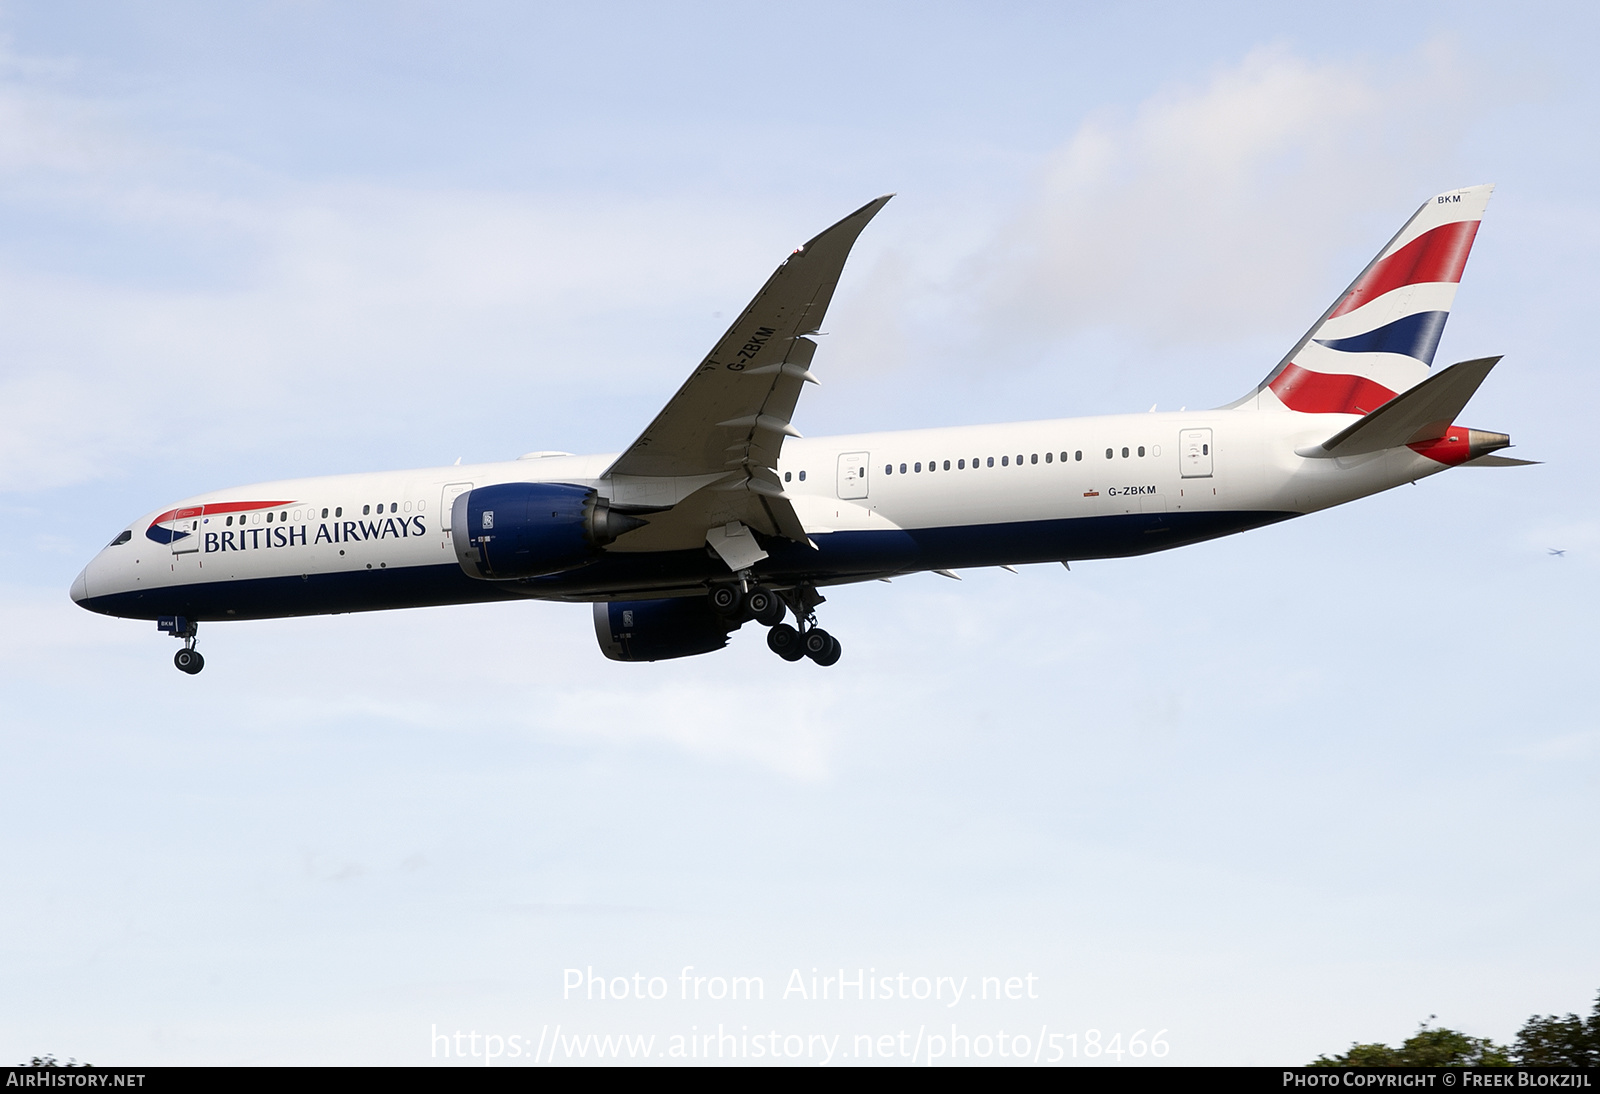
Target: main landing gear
(767, 607)
(187, 659)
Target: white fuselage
(957, 496)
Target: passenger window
(1205, 450)
(947, 465)
(269, 518)
(802, 476)
(917, 467)
(1033, 459)
(1005, 461)
(283, 516)
(394, 507)
(366, 510)
(339, 512)
(230, 522)
(961, 465)
(902, 469)
(788, 476)
(888, 469)
(1124, 453)
(1019, 459)
(1048, 456)
(991, 461)
(1141, 450)
(1108, 453)
(1077, 455)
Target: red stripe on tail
(1436, 255)
(1328, 393)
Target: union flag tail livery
(721, 514)
(1379, 337)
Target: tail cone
(1481, 443)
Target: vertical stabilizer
(1378, 338)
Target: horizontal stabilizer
(1415, 416)
(1501, 461)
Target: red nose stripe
(217, 507)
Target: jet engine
(657, 630)
(525, 529)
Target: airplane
(720, 513)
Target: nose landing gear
(187, 659)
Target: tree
(1427, 1048)
(1549, 1041)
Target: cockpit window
(122, 537)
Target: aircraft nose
(80, 586)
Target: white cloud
(1210, 207)
(339, 298)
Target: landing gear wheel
(831, 657)
(725, 600)
(763, 606)
(784, 641)
(189, 661)
(819, 644)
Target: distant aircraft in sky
(1558, 554)
(720, 513)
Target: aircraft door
(187, 522)
(447, 502)
(853, 475)
(1194, 453)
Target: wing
(724, 428)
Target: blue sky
(1270, 794)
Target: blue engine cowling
(524, 529)
(657, 630)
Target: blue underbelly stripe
(840, 557)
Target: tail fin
(1379, 336)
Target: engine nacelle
(657, 630)
(524, 529)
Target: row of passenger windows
(1005, 461)
(338, 511)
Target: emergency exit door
(853, 475)
(1194, 452)
(186, 530)
(447, 502)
